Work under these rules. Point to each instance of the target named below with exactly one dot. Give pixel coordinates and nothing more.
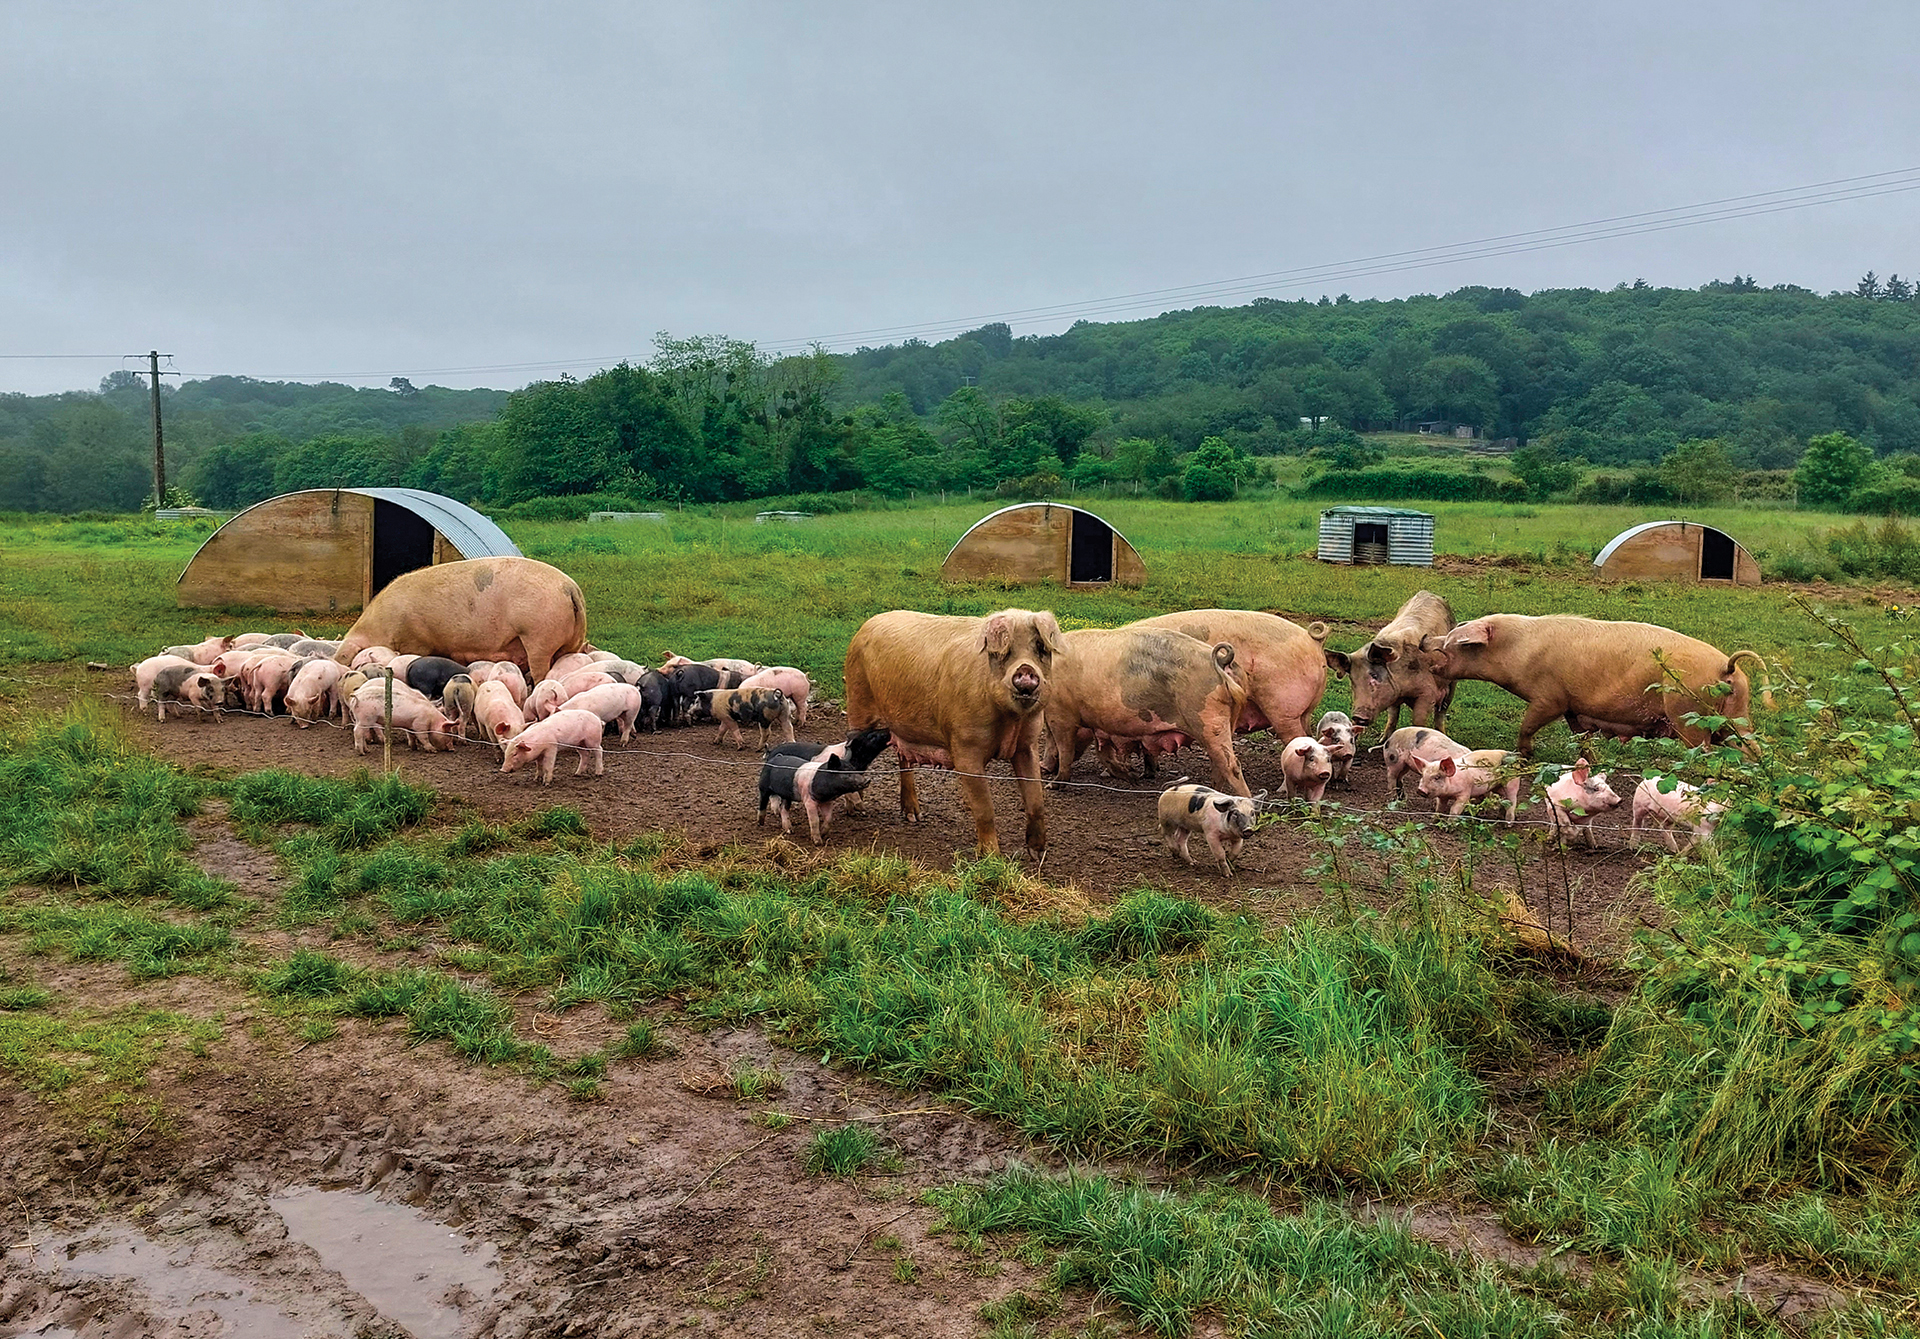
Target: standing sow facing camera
(959, 693)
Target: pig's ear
(1448, 767)
(1580, 770)
(1337, 662)
(1223, 805)
(996, 638)
(1048, 627)
(1477, 633)
(1433, 643)
(1305, 750)
(1384, 655)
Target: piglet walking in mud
(818, 778)
(542, 741)
(1224, 820)
(1575, 798)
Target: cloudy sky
(482, 193)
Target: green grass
(92, 1067)
(1168, 1259)
(844, 1150)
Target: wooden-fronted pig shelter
(1677, 551)
(332, 549)
(1044, 541)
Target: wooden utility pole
(159, 451)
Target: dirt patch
(647, 1210)
(1104, 833)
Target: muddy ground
(359, 1186)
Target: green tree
(239, 473)
(1213, 472)
(1700, 471)
(1832, 468)
(1541, 469)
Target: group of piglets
(433, 702)
(1453, 776)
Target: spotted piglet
(1223, 819)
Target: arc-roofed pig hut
(1044, 541)
(1677, 551)
(333, 549)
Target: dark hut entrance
(1716, 556)
(1092, 556)
(402, 541)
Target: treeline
(1179, 405)
(86, 451)
(1616, 377)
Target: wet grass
(91, 1068)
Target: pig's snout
(1026, 682)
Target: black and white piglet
(817, 777)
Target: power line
(1613, 227)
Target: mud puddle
(412, 1270)
(244, 1267)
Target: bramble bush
(1775, 1034)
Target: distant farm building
(1677, 551)
(1441, 427)
(333, 549)
(1044, 541)
(1376, 535)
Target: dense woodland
(1669, 387)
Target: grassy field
(794, 593)
(1701, 1117)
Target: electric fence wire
(1283, 807)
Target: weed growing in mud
(308, 974)
(14, 999)
(844, 1150)
(643, 1039)
(752, 1081)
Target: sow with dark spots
(1162, 688)
(514, 609)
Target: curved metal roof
(1020, 506)
(1600, 559)
(466, 529)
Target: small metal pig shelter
(1377, 535)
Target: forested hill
(1618, 376)
(94, 450)
(1615, 378)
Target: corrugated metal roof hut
(1044, 541)
(333, 549)
(1677, 551)
(1376, 535)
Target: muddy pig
(817, 778)
(146, 670)
(1337, 735)
(1224, 820)
(568, 728)
(1574, 799)
(793, 682)
(188, 685)
(1679, 808)
(1459, 781)
(1305, 769)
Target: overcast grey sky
(358, 190)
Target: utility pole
(159, 452)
